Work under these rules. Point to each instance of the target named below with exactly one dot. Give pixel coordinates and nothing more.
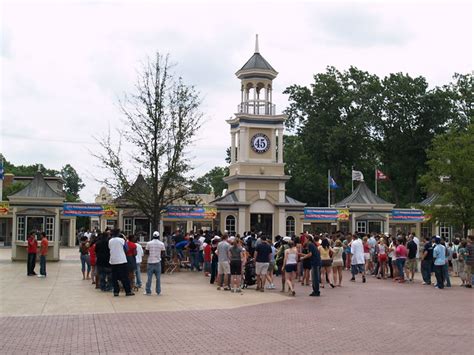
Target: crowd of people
(112, 261)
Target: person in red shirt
(131, 259)
(32, 249)
(93, 260)
(43, 254)
(207, 257)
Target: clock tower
(256, 198)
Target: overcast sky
(64, 65)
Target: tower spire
(256, 44)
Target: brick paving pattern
(376, 317)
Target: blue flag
(333, 184)
(1, 173)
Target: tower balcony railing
(257, 107)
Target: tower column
(232, 148)
(243, 146)
(280, 145)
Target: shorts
(271, 266)
(366, 256)
(307, 265)
(337, 263)
(291, 267)
(357, 269)
(236, 267)
(467, 269)
(223, 268)
(261, 268)
(382, 258)
(326, 262)
(411, 264)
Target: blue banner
(83, 210)
(190, 212)
(408, 215)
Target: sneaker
(130, 294)
(238, 290)
(314, 294)
(363, 279)
(218, 288)
(226, 289)
(353, 279)
(468, 286)
(116, 294)
(147, 294)
(41, 276)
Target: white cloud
(64, 65)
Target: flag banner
(328, 214)
(109, 211)
(4, 208)
(357, 175)
(381, 176)
(190, 212)
(408, 215)
(332, 183)
(2, 173)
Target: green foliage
(210, 182)
(354, 118)
(452, 157)
(73, 183)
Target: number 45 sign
(260, 143)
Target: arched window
(290, 225)
(230, 224)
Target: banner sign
(89, 210)
(408, 216)
(190, 212)
(4, 207)
(329, 214)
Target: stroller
(250, 277)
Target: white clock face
(260, 143)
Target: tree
(161, 119)
(332, 119)
(73, 183)
(212, 181)
(451, 176)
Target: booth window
(290, 225)
(445, 231)
(49, 229)
(127, 226)
(361, 227)
(20, 228)
(230, 224)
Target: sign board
(408, 215)
(326, 214)
(190, 212)
(89, 210)
(4, 208)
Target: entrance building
(256, 196)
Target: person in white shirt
(418, 261)
(139, 258)
(155, 247)
(357, 261)
(118, 261)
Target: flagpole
(376, 180)
(329, 188)
(352, 180)
(1, 180)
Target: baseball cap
(156, 234)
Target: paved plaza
(63, 314)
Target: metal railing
(257, 107)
